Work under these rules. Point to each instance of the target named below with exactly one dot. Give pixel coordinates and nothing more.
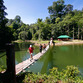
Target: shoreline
(78, 42)
(57, 43)
(69, 43)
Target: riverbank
(73, 42)
(58, 43)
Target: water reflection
(59, 56)
(45, 63)
(20, 53)
(64, 48)
(56, 56)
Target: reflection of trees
(21, 46)
(64, 48)
(48, 60)
(21, 52)
(19, 55)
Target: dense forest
(63, 20)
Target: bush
(2, 68)
(69, 75)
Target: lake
(57, 56)
(60, 57)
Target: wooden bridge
(25, 64)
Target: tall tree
(2, 13)
(17, 19)
(47, 20)
(4, 31)
(59, 9)
(68, 8)
(67, 22)
(56, 10)
(81, 27)
(40, 25)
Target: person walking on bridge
(31, 51)
(40, 48)
(44, 46)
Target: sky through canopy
(31, 10)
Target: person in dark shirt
(40, 48)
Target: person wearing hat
(31, 51)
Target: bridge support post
(11, 73)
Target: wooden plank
(25, 64)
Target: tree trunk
(78, 32)
(81, 33)
(81, 36)
(73, 32)
(39, 35)
(68, 29)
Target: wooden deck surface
(25, 64)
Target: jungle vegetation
(63, 20)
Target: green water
(57, 56)
(20, 53)
(60, 57)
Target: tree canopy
(63, 20)
(5, 31)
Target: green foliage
(69, 75)
(63, 20)
(2, 69)
(2, 12)
(59, 9)
(54, 72)
(5, 32)
(23, 35)
(71, 72)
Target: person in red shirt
(44, 46)
(31, 51)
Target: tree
(68, 8)
(2, 12)
(40, 25)
(59, 9)
(56, 10)
(47, 20)
(77, 16)
(17, 19)
(73, 21)
(9, 22)
(67, 22)
(5, 32)
(46, 32)
(32, 30)
(23, 35)
(81, 27)
(17, 25)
